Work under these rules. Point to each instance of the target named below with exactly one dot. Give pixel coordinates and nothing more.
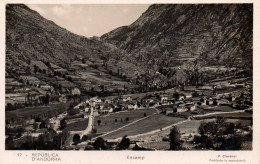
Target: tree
(99, 144)
(195, 94)
(63, 124)
(35, 126)
(9, 107)
(230, 129)
(69, 78)
(63, 137)
(47, 99)
(83, 60)
(85, 138)
(99, 122)
(94, 131)
(9, 143)
(76, 138)
(175, 142)
(43, 125)
(218, 135)
(194, 71)
(232, 143)
(176, 95)
(124, 144)
(175, 110)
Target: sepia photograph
(129, 77)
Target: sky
(90, 19)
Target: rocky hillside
(29, 37)
(168, 35)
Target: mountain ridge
(185, 30)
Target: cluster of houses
(192, 101)
(239, 100)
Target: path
(215, 113)
(90, 123)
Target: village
(145, 118)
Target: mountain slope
(29, 37)
(169, 35)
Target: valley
(178, 78)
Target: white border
(115, 157)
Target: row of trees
(126, 120)
(29, 102)
(101, 144)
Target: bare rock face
(169, 35)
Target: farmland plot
(113, 121)
(152, 123)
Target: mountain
(172, 34)
(161, 49)
(31, 37)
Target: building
(75, 91)
(132, 106)
(191, 107)
(61, 71)
(164, 99)
(181, 109)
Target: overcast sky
(90, 20)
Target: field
(108, 122)
(78, 125)
(152, 123)
(223, 109)
(43, 111)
